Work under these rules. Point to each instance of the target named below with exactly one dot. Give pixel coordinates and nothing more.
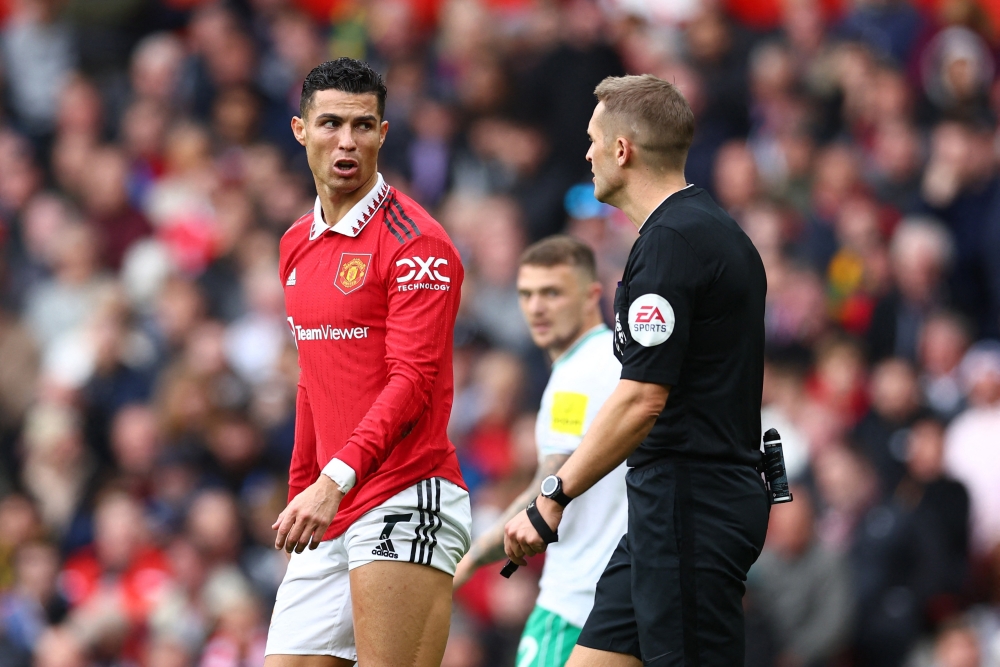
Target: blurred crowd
(147, 379)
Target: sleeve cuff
(665, 378)
(342, 474)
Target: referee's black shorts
(672, 592)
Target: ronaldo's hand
(306, 518)
(520, 539)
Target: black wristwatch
(552, 489)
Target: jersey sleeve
(562, 422)
(575, 398)
(304, 469)
(662, 287)
(424, 281)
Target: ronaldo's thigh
(402, 613)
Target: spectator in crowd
(957, 644)
(911, 552)
(944, 338)
(802, 587)
(881, 433)
(970, 452)
(39, 54)
(920, 253)
(34, 603)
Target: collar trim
(689, 185)
(354, 220)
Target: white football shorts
(428, 523)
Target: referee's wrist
(548, 507)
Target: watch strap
(558, 495)
(560, 498)
(547, 534)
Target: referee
(689, 331)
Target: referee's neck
(647, 191)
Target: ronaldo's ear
(383, 129)
(299, 130)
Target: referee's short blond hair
(655, 115)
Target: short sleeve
(574, 395)
(661, 288)
(563, 423)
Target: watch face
(549, 485)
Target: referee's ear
(624, 151)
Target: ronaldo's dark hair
(346, 74)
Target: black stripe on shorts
(416, 536)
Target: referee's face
(603, 158)
(554, 301)
(342, 133)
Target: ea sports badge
(650, 320)
(353, 270)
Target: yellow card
(568, 412)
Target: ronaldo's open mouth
(345, 167)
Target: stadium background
(147, 378)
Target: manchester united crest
(353, 269)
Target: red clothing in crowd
(372, 304)
(137, 588)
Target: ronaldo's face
(342, 134)
(602, 159)
(553, 300)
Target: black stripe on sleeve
(408, 219)
(388, 226)
(399, 224)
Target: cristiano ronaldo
(378, 515)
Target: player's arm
(420, 326)
(489, 547)
(622, 423)
(312, 503)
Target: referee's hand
(304, 521)
(520, 539)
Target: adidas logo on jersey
(291, 279)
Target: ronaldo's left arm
(420, 327)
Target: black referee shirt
(689, 313)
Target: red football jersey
(372, 302)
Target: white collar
(354, 220)
(689, 185)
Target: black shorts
(672, 592)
